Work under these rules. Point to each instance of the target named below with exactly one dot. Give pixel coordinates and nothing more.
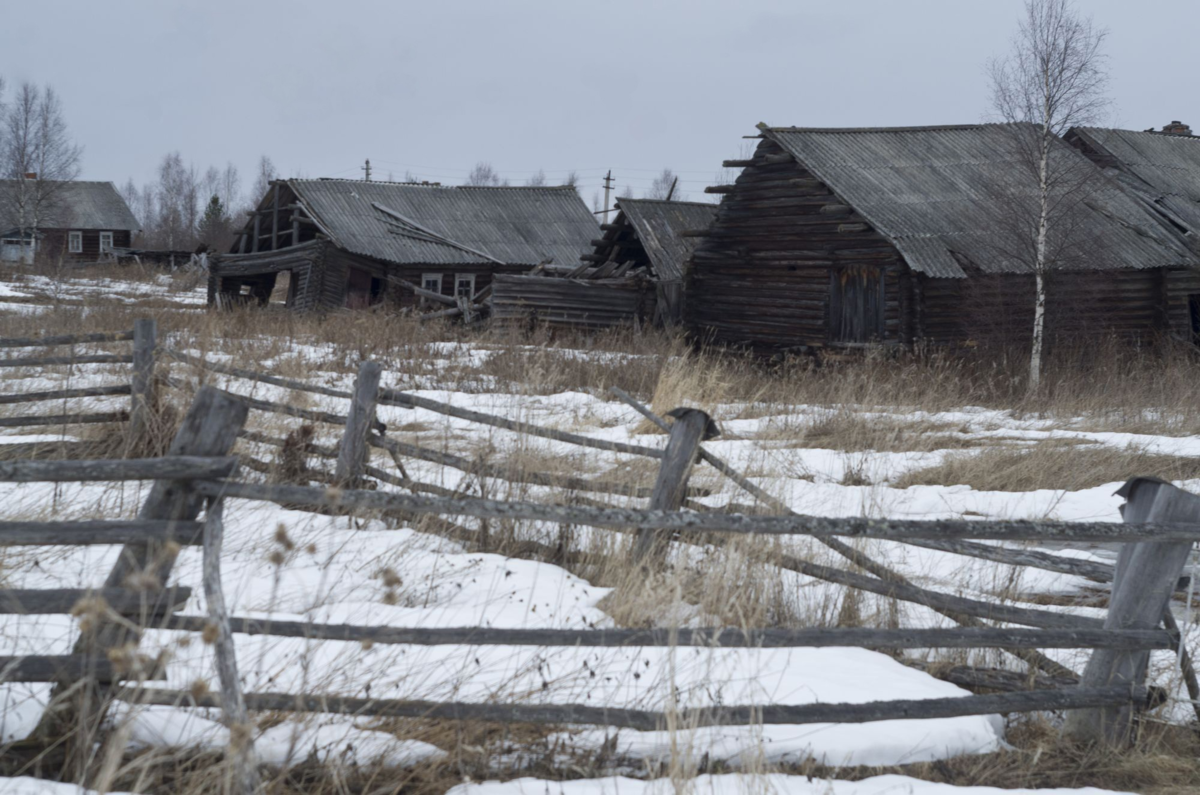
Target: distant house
(354, 243)
(77, 220)
(632, 274)
(852, 237)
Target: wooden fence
(1161, 524)
(140, 387)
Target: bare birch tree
(39, 154)
(663, 186)
(1054, 77)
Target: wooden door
(856, 304)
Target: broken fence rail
(796, 524)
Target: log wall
(579, 303)
(762, 275)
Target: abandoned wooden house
(74, 221)
(344, 243)
(853, 237)
(632, 274)
(1161, 169)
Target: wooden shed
(77, 221)
(354, 243)
(1161, 169)
(631, 274)
(853, 237)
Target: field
(922, 435)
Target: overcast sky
(433, 87)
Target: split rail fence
(1161, 525)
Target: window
(464, 286)
(431, 282)
(106, 242)
(75, 242)
(856, 305)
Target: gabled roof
(449, 225)
(73, 205)
(1161, 167)
(932, 192)
(658, 224)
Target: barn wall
(596, 303)
(999, 308)
(762, 276)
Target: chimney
(31, 175)
(1177, 128)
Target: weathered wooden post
(352, 455)
(209, 428)
(243, 776)
(691, 427)
(1146, 576)
(141, 402)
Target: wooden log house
(1161, 170)
(835, 238)
(77, 221)
(348, 243)
(631, 274)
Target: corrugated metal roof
(1167, 165)
(74, 205)
(521, 226)
(935, 193)
(658, 224)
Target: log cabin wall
(998, 308)
(764, 274)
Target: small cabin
(74, 221)
(842, 238)
(349, 243)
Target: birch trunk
(1039, 308)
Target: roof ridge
(919, 128)
(433, 185)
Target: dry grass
(1050, 465)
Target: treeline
(186, 209)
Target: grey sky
(433, 87)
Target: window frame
(110, 237)
(75, 242)
(431, 277)
(467, 277)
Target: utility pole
(367, 169)
(608, 180)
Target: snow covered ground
(298, 566)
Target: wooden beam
(49, 361)
(712, 637)
(45, 668)
(64, 419)
(64, 394)
(65, 339)
(690, 428)
(97, 532)
(63, 601)
(176, 467)
(645, 720)
(352, 454)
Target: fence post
(141, 400)
(209, 428)
(242, 771)
(1146, 576)
(352, 454)
(691, 427)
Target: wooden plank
(712, 637)
(62, 601)
(65, 339)
(233, 706)
(395, 397)
(48, 361)
(46, 668)
(251, 375)
(352, 453)
(736, 524)
(41, 420)
(646, 720)
(174, 467)
(670, 487)
(273, 407)
(141, 401)
(66, 394)
(97, 532)
(1146, 577)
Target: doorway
(856, 304)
